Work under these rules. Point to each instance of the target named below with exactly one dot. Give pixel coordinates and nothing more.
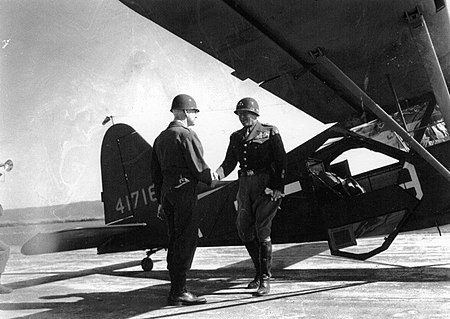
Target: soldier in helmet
(177, 166)
(260, 152)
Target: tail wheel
(147, 264)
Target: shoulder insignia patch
(274, 130)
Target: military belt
(251, 172)
(177, 179)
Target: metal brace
(318, 52)
(414, 17)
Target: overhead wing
(78, 238)
(274, 43)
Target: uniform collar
(177, 123)
(254, 131)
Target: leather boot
(179, 295)
(185, 298)
(266, 265)
(253, 251)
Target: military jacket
(262, 149)
(178, 156)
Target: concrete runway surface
(409, 280)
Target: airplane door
(391, 196)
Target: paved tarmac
(409, 280)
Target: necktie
(247, 132)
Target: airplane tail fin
(128, 195)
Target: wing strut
(356, 91)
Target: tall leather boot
(266, 267)
(253, 251)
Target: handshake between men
(219, 174)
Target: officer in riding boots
(177, 166)
(260, 152)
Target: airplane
(350, 62)
(319, 205)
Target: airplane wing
(78, 238)
(386, 47)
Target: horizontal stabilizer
(78, 238)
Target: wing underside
(274, 43)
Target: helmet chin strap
(186, 119)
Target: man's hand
(161, 214)
(220, 174)
(214, 179)
(274, 194)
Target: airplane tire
(147, 264)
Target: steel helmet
(183, 102)
(247, 104)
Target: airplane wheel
(147, 264)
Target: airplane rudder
(128, 191)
